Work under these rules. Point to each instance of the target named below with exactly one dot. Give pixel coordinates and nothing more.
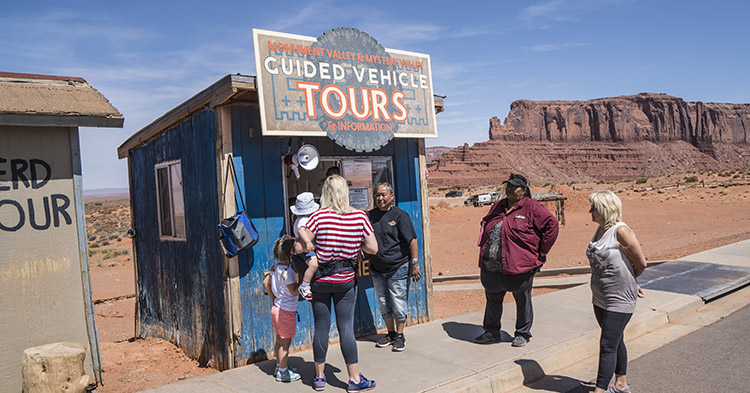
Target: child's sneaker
(319, 384)
(305, 291)
(288, 375)
(363, 385)
(276, 370)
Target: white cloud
(539, 15)
(317, 17)
(542, 15)
(556, 47)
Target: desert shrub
(105, 242)
(600, 181)
(736, 176)
(641, 180)
(691, 179)
(94, 245)
(92, 238)
(627, 180)
(114, 253)
(93, 252)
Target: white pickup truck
(483, 199)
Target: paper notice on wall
(359, 197)
(358, 175)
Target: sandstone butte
(606, 138)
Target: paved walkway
(441, 356)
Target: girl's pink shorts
(284, 322)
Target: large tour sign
(345, 85)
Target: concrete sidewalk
(441, 356)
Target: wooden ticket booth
(212, 306)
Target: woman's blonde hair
(608, 205)
(335, 195)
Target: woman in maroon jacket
(516, 236)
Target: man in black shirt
(396, 261)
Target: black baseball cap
(517, 180)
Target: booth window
(170, 200)
(361, 174)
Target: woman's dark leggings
(344, 297)
(613, 357)
(496, 285)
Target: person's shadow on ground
(535, 378)
(468, 331)
(307, 371)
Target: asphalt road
(713, 359)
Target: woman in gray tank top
(616, 260)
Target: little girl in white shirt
(284, 293)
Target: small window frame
(178, 230)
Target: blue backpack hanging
(236, 233)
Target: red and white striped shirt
(338, 236)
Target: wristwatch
(414, 261)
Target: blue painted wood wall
(258, 163)
(180, 282)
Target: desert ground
(672, 216)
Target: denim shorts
(392, 291)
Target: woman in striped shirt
(339, 232)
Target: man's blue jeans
(392, 291)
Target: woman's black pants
(496, 285)
(344, 298)
(613, 357)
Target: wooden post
(425, 202)
(54, 367)
(232, 296)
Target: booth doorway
(361, 174)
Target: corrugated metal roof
(47, 100)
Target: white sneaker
(305, 291)
(287, 376)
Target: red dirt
(129, 364)
(669, 223)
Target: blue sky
(146, 57)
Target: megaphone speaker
(308, 157)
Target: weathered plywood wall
(179, 284)
(259, 167)
(43, 272)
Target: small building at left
(45, 290)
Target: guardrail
(542, 273)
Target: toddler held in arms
(304, 206)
